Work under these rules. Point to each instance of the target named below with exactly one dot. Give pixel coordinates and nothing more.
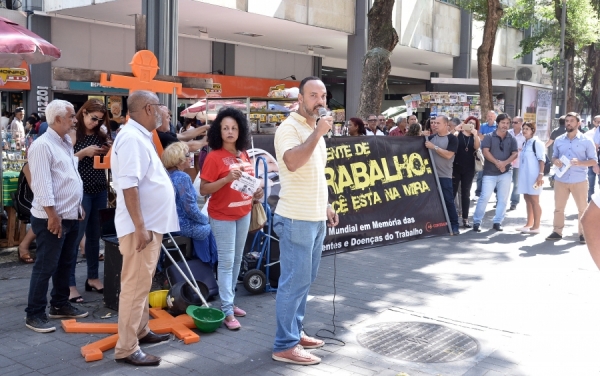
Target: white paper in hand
(560, 171)
(247, 184)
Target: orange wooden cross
(144, 67)
(162, 323)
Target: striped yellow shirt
(303, 194)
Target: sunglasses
(189, 155)
(501, 144)
(372, 120)
(516, 122)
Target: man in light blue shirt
(581, 153)
(486, 128)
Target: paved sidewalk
(531, 305)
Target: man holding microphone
(301, 217)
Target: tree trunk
(571, 95)
(595, 60)
(382, 39)
(485, 53)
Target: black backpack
(23, 198)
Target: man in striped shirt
(300, 218)
(55, 214)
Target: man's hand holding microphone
(324, 123)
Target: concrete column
(40, 75)
(357, 48)
(223, 58)
(162, 20)
(316, 67)
(461, 65)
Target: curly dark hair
(214, 132)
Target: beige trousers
(136, 281)
(561, 195)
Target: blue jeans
(301, 245)
(591, 182)
(515, 197)
(478, 189)
(90, 226)
(502, 185)
(231, 238)
(54, 257)
(448, 192)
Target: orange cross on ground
(144, 67)
(162, 323)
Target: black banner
(383, 188)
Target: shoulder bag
(478, 154)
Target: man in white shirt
(372, 126)
(16, 127)
(517, 125)
(145, 211)
(594, 135)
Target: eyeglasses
(516, 122)
(188, 155)
(156, 104)
(372, 120)
(96, 120)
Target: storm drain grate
(418, 342)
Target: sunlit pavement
(531, 307)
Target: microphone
(322, 113)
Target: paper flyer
(560, 171)
(247, 184)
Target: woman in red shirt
(228, 209)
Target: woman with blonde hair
(192, 223)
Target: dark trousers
(53, 259)
(448, 192)
(90, 226)
(465, 179)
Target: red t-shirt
(226, 204)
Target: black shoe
(581, 239)
(498, 227)
(495, 205)
(476, 227)
(140, 359)
(554, 237)
(39, 324)
(466, 223)
(152, 337)
(67, 311)
(456, 233)
(512, 207)
(89, 287)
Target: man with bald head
(145, 211)
(444, 145)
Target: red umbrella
(18, 44)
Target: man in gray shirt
(444, 145)
(499, 150)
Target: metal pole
(563, 22)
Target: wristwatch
(436, 147)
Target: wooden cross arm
(90, 75)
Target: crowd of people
(513, 160)
(68, 194)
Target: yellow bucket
(158, 299)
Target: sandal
(232, 324)
(26, 258)
(466, 223)
(77, 299)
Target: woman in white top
(531, 172)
